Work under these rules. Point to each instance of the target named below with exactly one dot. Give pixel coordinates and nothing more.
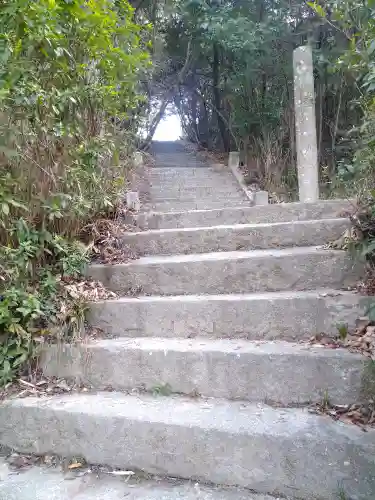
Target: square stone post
(132, 197)
(304, 102)
(234, 159)
(132, 201)
(138, 159)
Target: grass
(162, 390)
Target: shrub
(69, 72)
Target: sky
(169, 129)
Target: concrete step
(176, 205)
(159, 148)
(290, 316)
(192, 190)
(235, 237)
(200, 176)
(177, 163)
(51, 483)
(284, 451)
(230, 369)
(285, 212)
(186, 198)
(196, 193)
(194, 204)
(304, 268)
(210, 183)
(217, 181)
(186, 172)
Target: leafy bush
(69, 72)
(356, 19)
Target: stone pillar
(132, 201)
(304, 102)
(138, 159)
(234, 159)
(260, 197)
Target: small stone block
(261, 198)
(234, 159)
(138, 159)
(132, 201)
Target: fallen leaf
(122, 473)
(75, 465)
(42, 382)
(62, 384)
(24, 382)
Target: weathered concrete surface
(235, 237)
(304, 106)
(194, 204)
(188, 171)
(234, 158)
(233, 165)
(43, 483)
(286, 212)
(301, 268)
(188, 184)
(189, 198)
(132, 201)
(192, 191)
(282, 372)
(286, 451)
(260, 197)
(167, 194)
(268, 316)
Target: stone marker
(304, 101)
(138, 159)
(132, 201)
(234, 159)
(260, 197)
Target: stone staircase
(215, 343)
(181, 181)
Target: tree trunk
(217, 98)
(155, 122)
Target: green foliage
(35, 303)
(162, 390)
(356, 19)
(361, 60)
(69, 80)
(237, 87)
(66, 70)
(342, 331)
(19, 310)
(246, 37)
(325, 402)
(341, 494)
(362, 243)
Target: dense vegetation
(227, 67)
(76, 86)
(357, 20)
(69, 73)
